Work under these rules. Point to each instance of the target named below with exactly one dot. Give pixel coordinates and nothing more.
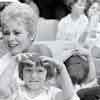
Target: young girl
(35, 73)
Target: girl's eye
(28, 70)
(6, 33)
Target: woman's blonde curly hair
(20, 12)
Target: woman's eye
(17, 33)
(40, 70)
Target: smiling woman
(19, 26)
(18, 23)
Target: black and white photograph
(49, 49)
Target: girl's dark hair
(84, 66)
(49, 67)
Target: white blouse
(70, 30)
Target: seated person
(69, 28)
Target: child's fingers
(82, 51)
(59, 65)
(66, 54)
(22, 56)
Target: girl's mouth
(34, 81)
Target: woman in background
(72, 26)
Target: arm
(84, 35)
(92, 71)
(66, 83)
(6, 77)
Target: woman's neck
(75, 17)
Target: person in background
(94, 25)
(93, 13)
(91, 38)
(94, 35)
(69, 28)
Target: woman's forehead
(14, 25)
(13, 20)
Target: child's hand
(82, 52)
(53, 62)
(23, 56)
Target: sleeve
(2, 60)
(92, 71)
(61, 30)
(85, 27)
(6, 77)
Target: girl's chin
(34, 87)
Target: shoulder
(84, 18)
(64, 20)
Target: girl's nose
(11, 37)
(34, 75)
